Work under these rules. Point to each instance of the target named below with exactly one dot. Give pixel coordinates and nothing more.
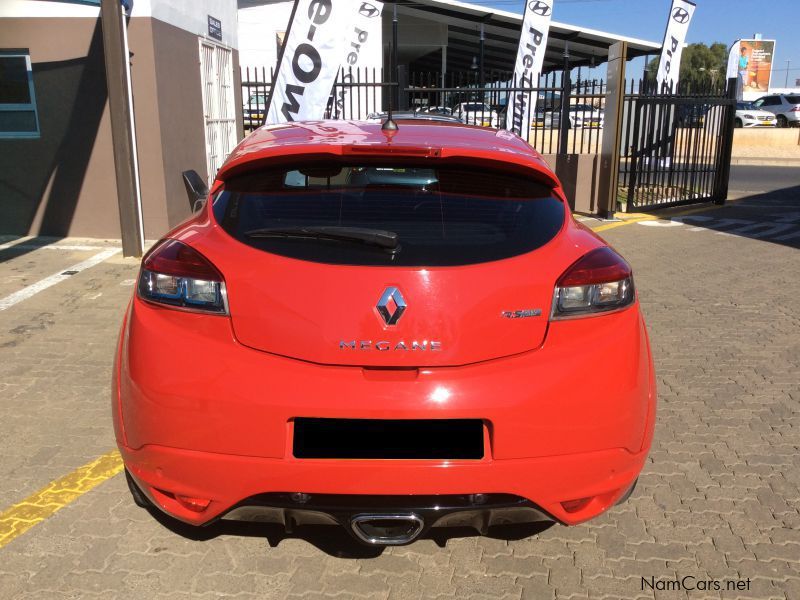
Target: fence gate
(675, 149)
(216, 72)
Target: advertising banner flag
(530, 59)
(362, 61)
(310, 59)
(733, 60)
(669, 67)
(734, 64)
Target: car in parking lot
(437, 110)
(748, 115)
(387, 330)
(785, 107)
(476, 113)
(254, 110)
(414, 115)
(580, 115)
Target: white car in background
(749, 115)
(785, 107)
(476, 113)
(580, 115)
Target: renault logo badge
(391, 306)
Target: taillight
(598, 282)
(177, 275)
(796, 109)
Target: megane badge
(391, 306)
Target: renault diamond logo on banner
(309, 61)
(669, 66)
(530, 59)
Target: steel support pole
(612, 131)
(481, 76)
(395, 78)
(724, 171)
(566, 90)
(442, 100)
(123, 133)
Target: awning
(587, 47)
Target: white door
(216, 72)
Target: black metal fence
(256, 85)
(360, 93)
(676, 147)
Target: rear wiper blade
(381, 238)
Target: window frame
(24, 107)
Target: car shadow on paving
(333, 540)
(769, 217)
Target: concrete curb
(766, 162)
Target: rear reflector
(193, 504)
(573, 506)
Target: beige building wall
(63, 183)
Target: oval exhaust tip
(384, 529)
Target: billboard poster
(755, 65)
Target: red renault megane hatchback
(386, 330)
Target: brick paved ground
(718, 499)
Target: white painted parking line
(68, 247)
(73, 247)
(52, 280)
(781, 229)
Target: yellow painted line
(37, 507)
(627, 216)
(630, 218)
(608, 226)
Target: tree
(700, 65)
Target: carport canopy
(426, 26)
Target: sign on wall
(530, 60)
(669, 67)
(214, 28)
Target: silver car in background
(785, 107)
(476, 113)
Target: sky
(714, 21)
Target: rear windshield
(389, 216)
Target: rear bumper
(231, 482)
(198, 415)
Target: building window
(18, 117)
